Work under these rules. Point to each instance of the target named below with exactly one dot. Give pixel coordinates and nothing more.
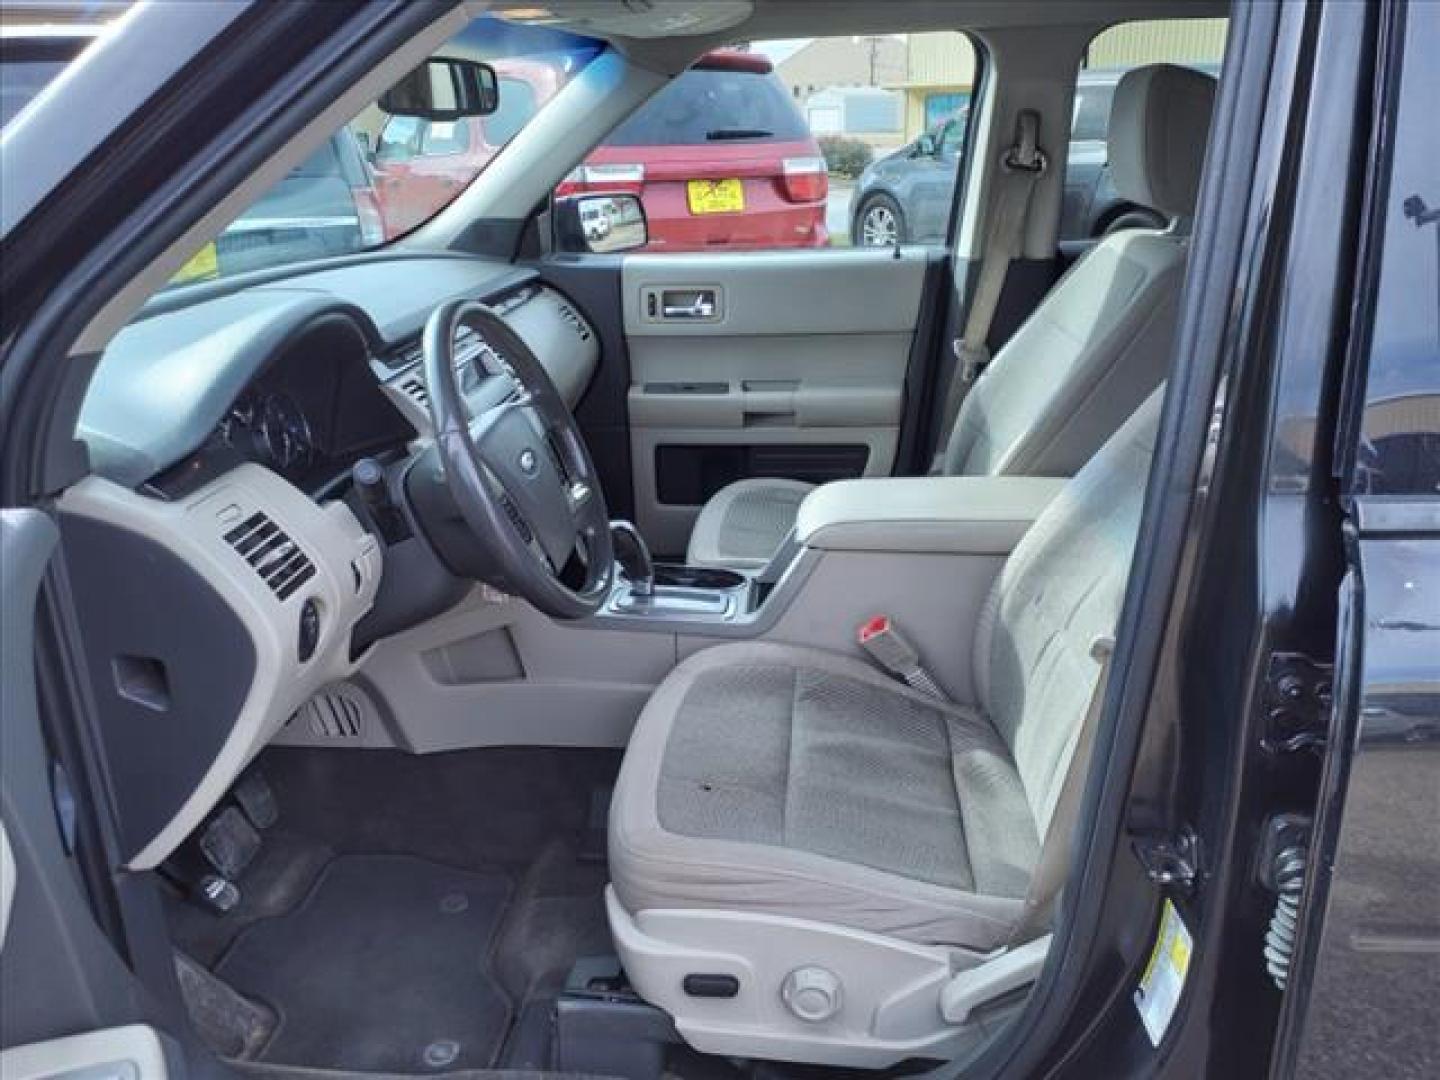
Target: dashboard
(222, 429)
(304, 380)
(312, 411)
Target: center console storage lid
(958, 515)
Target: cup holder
(697, 577)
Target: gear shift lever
(633, 556)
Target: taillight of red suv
(606, 177)
(804, 179)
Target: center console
(886, 525)
(687, 593)
(494, 671)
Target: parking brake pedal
(216, 895)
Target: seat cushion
(745, 523)
(800, 783)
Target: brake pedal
(229, 843)
(256, 797)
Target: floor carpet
(383, 967)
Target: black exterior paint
(1257, 569)
(1370, 963)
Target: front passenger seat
(1093, 350)
(785, 814)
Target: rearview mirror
(444, 88)
(600, 224)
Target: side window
(1092, 206)
(952, 140)
(1092, 112)
(1399, 438)
(815, 143)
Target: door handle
(697, 304)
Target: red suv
(721, 158)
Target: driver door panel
(72, 1007)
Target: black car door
(1370, 926)
(72, 1006)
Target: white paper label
(1164, 978)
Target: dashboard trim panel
(348, 565)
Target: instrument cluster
(270, 427)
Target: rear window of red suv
(708, 106)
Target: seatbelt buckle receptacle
(882, 640)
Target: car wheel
(1131, 219)
(880, 223)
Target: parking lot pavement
(837, 207)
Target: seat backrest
(1060, 591)
(1099, 342)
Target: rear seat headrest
(1159, 125)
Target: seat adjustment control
(811, 993)
(711, 986)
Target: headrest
(1159, 125)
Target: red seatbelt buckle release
(882, 640)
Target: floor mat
(385, 967)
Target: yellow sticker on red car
(203, 265)
(715, 196)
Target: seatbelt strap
(1020, 167)
(888, 647)
(1055, 849)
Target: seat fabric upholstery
(1086, 358)
(746, 522)
(796, 782)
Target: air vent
(330, 714)
(276, 558)
(414, 387)
(571, 316)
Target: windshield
(381, 176)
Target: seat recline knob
(811, 993)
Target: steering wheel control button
(309, 630)
(811, 993)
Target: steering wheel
(519, 473)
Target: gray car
(906, 196)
